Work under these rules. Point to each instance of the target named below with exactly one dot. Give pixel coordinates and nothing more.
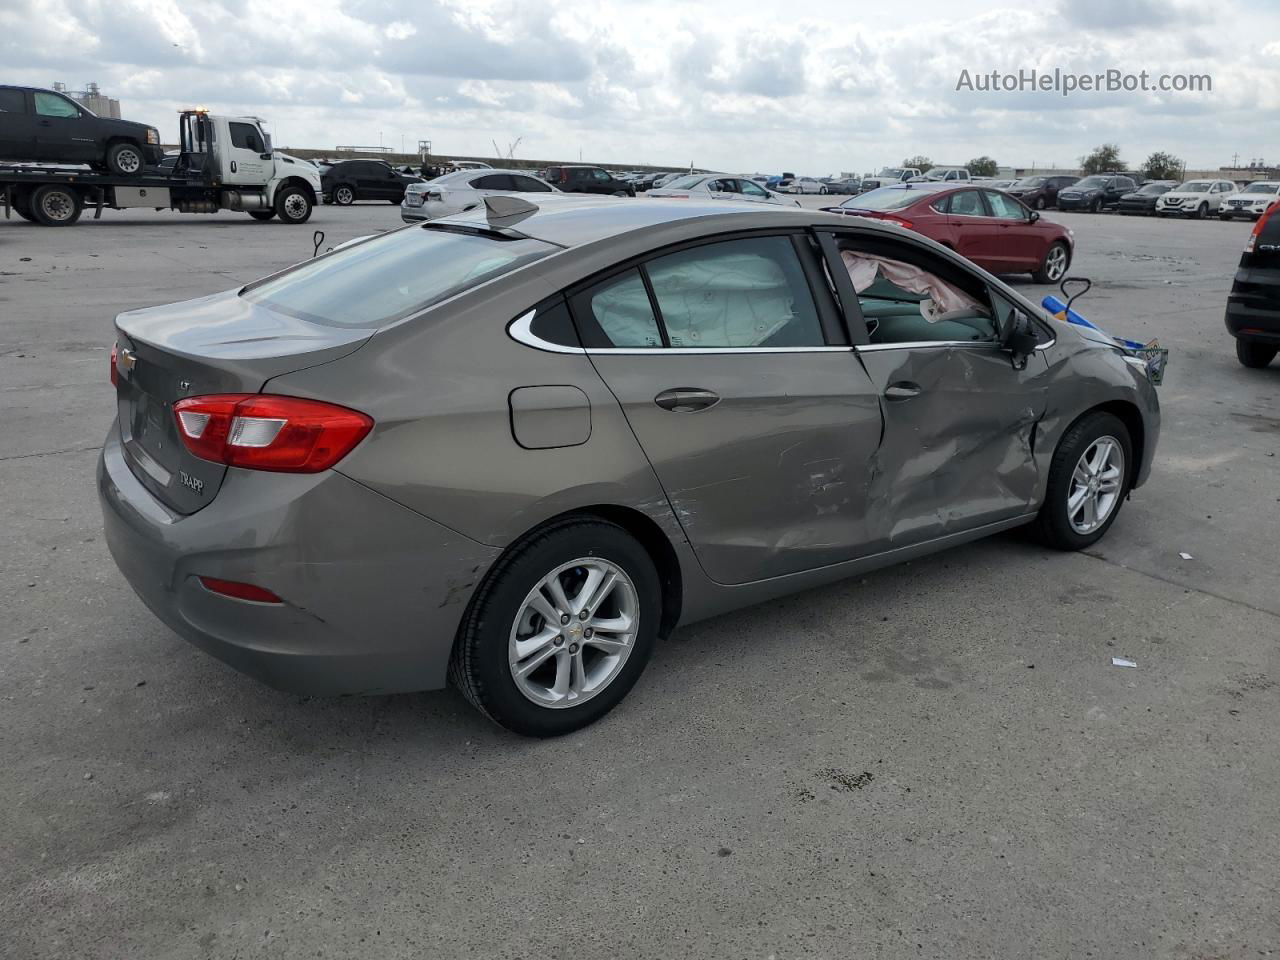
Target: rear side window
(13, 101)
(392, 276)
(493, 181)
(620, 310)
(52, 105)
(530, 185)
(740, 293)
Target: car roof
(484, 172)
(572, 220)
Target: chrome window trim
(520, 331)
(921, 344)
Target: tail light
(115, 355)
(264, 432)
(1252, 243)
(900, 221)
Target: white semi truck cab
(224, 163)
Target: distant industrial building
(93, 98)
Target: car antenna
(511, 210)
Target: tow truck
(224, 163)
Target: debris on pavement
(1123, 662)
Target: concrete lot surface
(938, 760)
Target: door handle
(686, 399)
(902, 390)
(46, 123)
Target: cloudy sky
(814, 87)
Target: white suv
(1252, 201)
(1195, 198)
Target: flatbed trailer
(214, 171)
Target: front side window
(907, 298)
(379, 281)
(753, 190)
(739, 293)
(600, 174)
(530, 185)
(1004, 207)
(52, 105)
(245, 136)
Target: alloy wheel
(1055, 264)
(574, 632)
(1095, 485)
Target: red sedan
(989, 227)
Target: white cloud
(725, 83)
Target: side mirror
(1020, 340)
(1035, 215)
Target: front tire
(1253, 354)
(343, 195)
(125, 159)
(1202, 211)
(1039, 203)
(1089, 477)
(560, 630)
(1096, 206)
(1054, 266)
(293, 205)
(54, 205)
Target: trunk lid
(217, 344)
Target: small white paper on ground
(1122, 662)
(1186, 556)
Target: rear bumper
(373, 592)
(1254, 319)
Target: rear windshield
(685, 183)
(885, 198)
(385, 279)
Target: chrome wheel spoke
(534, 662)
(608, 644)
(564, 673)
(542, 606)
(556, 589)
(1076, 500)
(619, 624)
(528, 647)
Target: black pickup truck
(48, 127)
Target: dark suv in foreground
(347, 181)
(48, 127)
(582, 179)
(1253, 306)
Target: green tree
(1103, 158)
(1163, 166)
(920, 163)
(982, 166)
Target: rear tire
(1063, 520)
(262, 214)
(1057, 260)
(54, 205)
(343, 195)
(125, 159)
(1253, 354)
(293, 205)
(501, 616)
